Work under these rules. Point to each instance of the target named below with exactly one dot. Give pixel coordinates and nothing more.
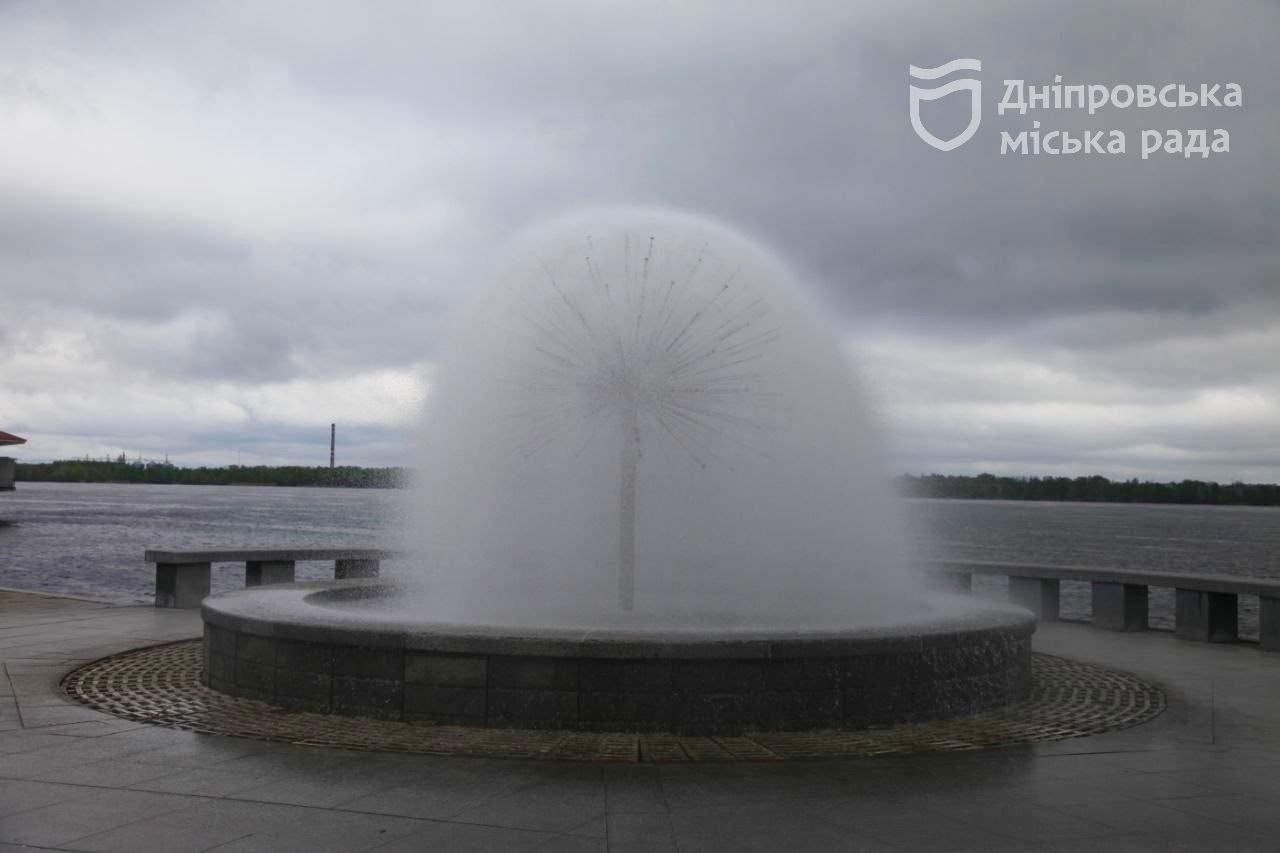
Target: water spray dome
(644, 415)
(649, 495)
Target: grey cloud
(1127, 228)
(787, 122)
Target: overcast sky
(223, 226)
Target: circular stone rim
(286, 612)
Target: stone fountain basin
(321, 647)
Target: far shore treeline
(90, 471)
(1094, 489)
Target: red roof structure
(10, 438)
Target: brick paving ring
(161, 685)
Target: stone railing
(1205, 606)
(182, 577)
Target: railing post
(1209, 617)
(182, 585)
(1039, 595)
(1269, 623)
(258, 572)
(343, 569)
(1119, 606)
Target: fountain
(649, 499)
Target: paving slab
(1204, 775)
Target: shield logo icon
(972, 84)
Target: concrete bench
(1206, 605)
(182, 577)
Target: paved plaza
(1204, 775)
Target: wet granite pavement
(1205, 775)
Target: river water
(1229, 540)
(87, 539)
